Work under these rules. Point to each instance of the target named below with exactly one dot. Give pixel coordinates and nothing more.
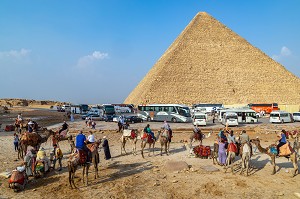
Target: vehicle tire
(149, 119)
(174, 120)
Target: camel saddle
(92, 147)
(197, 136)
(285, 150)
(148, 137)
(79, 157)
(127, 132)
(34, 137)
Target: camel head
(255, 141)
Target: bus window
(172, 109)
(157, 108)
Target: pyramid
(209, 63)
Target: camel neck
(260, 148)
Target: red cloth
(232, 148)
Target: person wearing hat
(30, 126)
(58, 155)
(64, 127)
(106, 148)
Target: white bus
(280, 117)
(209, 107)
(245, 115)
(296, 116)
(230, 119)
(165, 112)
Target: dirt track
(131, 176)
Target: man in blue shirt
(282, 141)
(80, 144)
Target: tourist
(58, 155)
(29, 160)
(72, 117)
(86, 121)
(91, 138)
(149, 132)
(244, 138)
(19, 118)
(106, 148)
(93, 124)
(41, 156)
(167, 127)
(30, 126)
(222, 136)
(231, 137)
(16, 142)
(281, 140)
(80, 144)
(222, 152)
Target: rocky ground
(129, 176)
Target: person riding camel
(81, 145)
(167, 127)
(149, 132)
(197, 131)
(64, 127)
(30, 126)
(19, 118)
(281, 140)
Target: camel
(273, 156)
(148, 139)
(245, 152)
(64, 135)
(20, 150)
(196, 136)
(164, 139)
(21, 125)
(130, 135)
(75, 160)
(34, 139)
(215, 153)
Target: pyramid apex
(202, 13)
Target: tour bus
(165, 112)
(296, 116)
(124, 108)
(280, 117)
(79, 108)
(230, 119)
(245, 115)
(209, 107)
(266, 108)
(199, 119)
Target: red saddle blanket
(82, 156)
(9, 128)
(133, 134)
(17, 177)
(202, 151)
(232, 148)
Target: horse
(130, 135)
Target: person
(58, 155)
(72, 116)
(222, 151)
(19, 118)
(167, 127)
(196, 129)
(41, 155)
(80, 144)
(64, 127)
(222, 135)
(214, 117)
(281, 140)
(244, 137)
(231, 138)
(86, 121)
(29, 161)
(149, 132)
(30, 126)
(93, 124)
(91, 138)
(106, 148)
(16, 142)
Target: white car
(199, 119)
(296, 116)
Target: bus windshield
(184, 111)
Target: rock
(176, 166)
(175, 181)
(156, 184)
(33, 189)
(210, 168)
(279, 194)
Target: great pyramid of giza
(209, 63)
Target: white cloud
(284, 52)
(90, 59)
(13, 54)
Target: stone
(176, 166)
(210, 168)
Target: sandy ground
(130, 176)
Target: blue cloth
(80, 138)
(283, 138)
(222, 136)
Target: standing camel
(165, 140)
(35, 139)
(76, 160)
(197, 136)
(215, 153)
(273, 156)
(130, 135)
(148, 139)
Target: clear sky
(97, 51)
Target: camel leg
(142, 150)
(134, 147)
(161, 148)
(70, 176)
(166, 146)
(153, 148)
(273, 163)
(247, 164)
(294, 161)
(149, 152)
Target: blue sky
(97, 51)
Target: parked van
(296, 116)
(280, 117)
(230, 119)
(66, 108)
(199, 119)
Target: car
(108, 118)
(116, 118)
(92, 116)
(296, 116)
(133, 119)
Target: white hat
(30, 122)
(104, 137)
